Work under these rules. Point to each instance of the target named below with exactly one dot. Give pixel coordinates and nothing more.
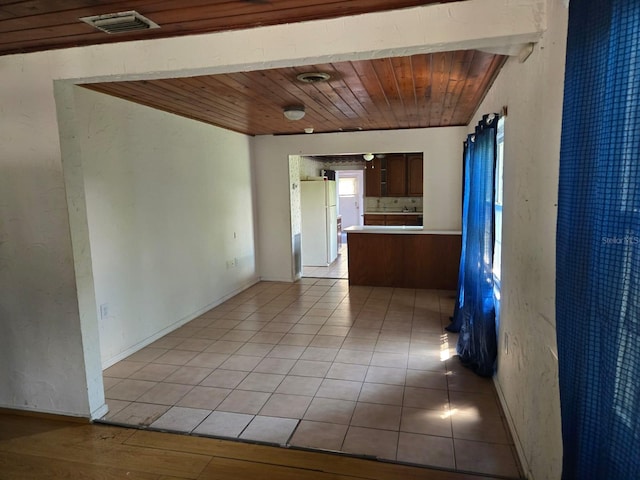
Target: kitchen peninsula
(403, 256)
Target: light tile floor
(320, 365)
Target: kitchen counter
(393, 213)
(392, 218)
(406, 257)
(400, 230)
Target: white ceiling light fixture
(294, 113)
(368, 156)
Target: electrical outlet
(104, 311)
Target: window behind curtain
(497, 249)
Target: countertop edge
(393, 213)
(411, 230)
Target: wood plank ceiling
(430, 90)
(440, 89)
(31, 25)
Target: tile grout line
(392, 304)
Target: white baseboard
(514, 433)
(277, 279)
(156, 336)
(100, 412)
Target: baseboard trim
(149, 340)
(512, 430)
(44, 415)
(100, 412)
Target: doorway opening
(346, 173)
(350, 199)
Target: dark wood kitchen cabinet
(401, 220)
(414, 175)
(393, 220)
(373, 178)
(404, 260)
(396, 176)
(379, 220)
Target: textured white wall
(309, 167)
(41, 344)
(295, 161)
(442, 149)
(169, 202)
(528, 370)
(48, 332)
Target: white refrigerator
(319, 223)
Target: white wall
(295, 162)
(41, 344)
(528, 371)
(48, 333)
(310, 167)
(169, 203)
(442, 149)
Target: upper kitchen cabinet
(373, 178)
(394, 175)
(414, 175)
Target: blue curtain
(598, 243)
(456, 319)
(474, 315)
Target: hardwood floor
(57, 448)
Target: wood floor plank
(226, 468)
(13, 427)
(33, 448)
(17, 466)
(128, 457)
(266, 455)
(99, 445)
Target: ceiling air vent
(120, 22)
(313, 77)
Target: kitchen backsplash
(392, 204)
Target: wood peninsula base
(407, 257)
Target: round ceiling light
(294, 113)
(313, 77)
(368, 156)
